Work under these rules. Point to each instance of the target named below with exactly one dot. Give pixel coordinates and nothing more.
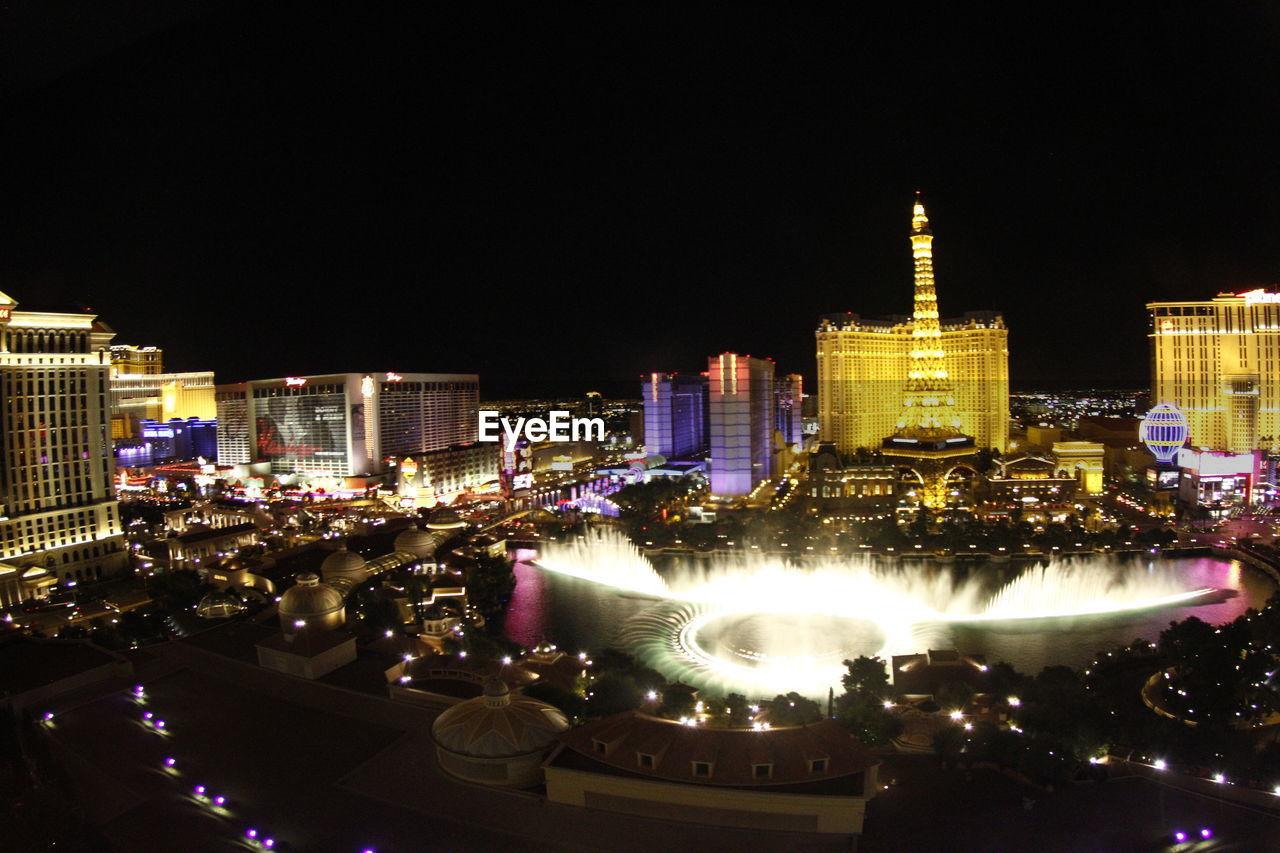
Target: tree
(867, 719)
(490, 582)
(866, 675)
(677, 704)
(954, 695)
(793, 710)
(739, 712)
(612, 694)
(570, 703)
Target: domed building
(218, 604)
(416, 541)
(311, 603)
(445, 519)
(311, 643)
(495, 739)
(344, 566)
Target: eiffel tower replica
(929, 439)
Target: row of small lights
(201, 793)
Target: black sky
(562, 196)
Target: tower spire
(928, 405)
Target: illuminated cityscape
(573, 569)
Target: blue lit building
(676, 422)
(175, 440)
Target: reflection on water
(761, 652)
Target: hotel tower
(59, 514)
(1218, 361)
(864, 366)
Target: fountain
(751, 621)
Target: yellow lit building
(131, 360)
(1219, 362)
(863, 366)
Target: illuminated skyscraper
(676, 422)
(1219, 362)
(742, 422)
(59, 504)
(863, 366)
(788, 394)
(344, 424)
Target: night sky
(562, 197)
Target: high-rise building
(863, 365)
(59, 504)
(344, 424)
(676, 422)
(788, 392)
(1218, 361)
(742, 422)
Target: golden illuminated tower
(928, 403)
(929, 440)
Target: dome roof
(444, 519)
(308, 598)
(416, 541)
(218, 604)
(342, 562)
(497, 725)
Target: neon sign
(1261, 297)
(5, 313)
(393, 377)
(295, 381)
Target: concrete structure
(815, 778)
(742, 422)
(58, 506)
(676, 414)
(344, 424)
(863, 365)
(1218, 361)
(497, 738)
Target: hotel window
(818, 765)
(645, 760)
(600, 746)
(702, 769)
(761, 771)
